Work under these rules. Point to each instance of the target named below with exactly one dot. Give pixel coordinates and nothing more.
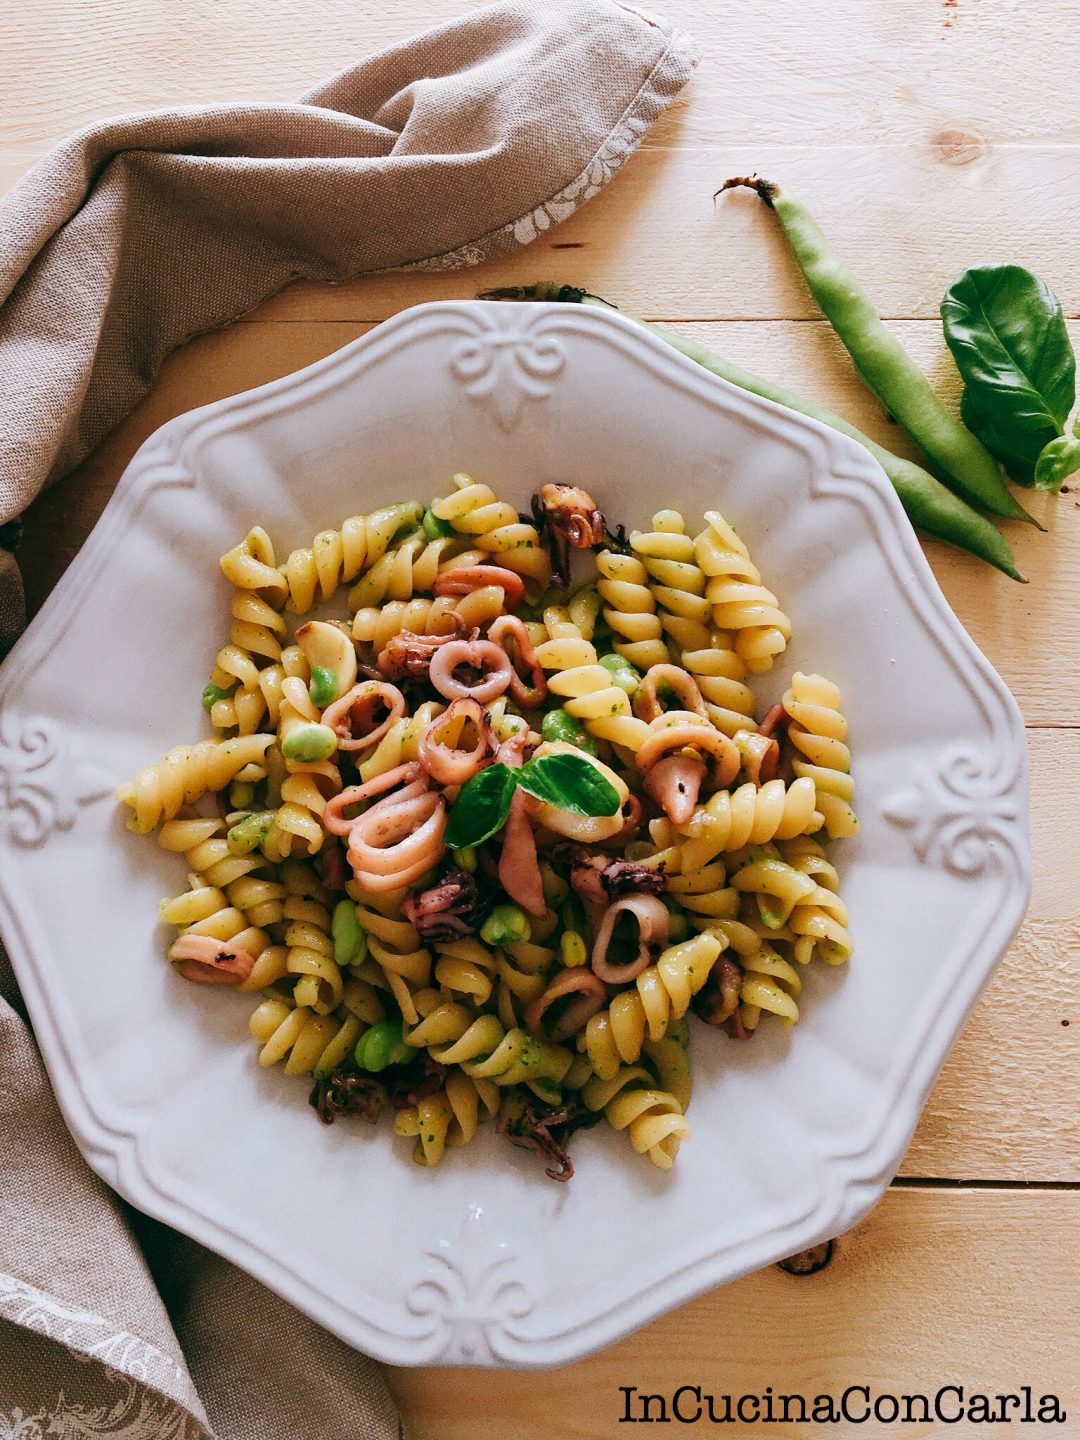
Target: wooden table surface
(927, 135)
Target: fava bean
(433, 527)
(349, 936)
(323, 687)
(241, 794)
(381, 1046)
(249, 832)
(560, 725)
(506, 925)
(309, 743)
(213, 693)
(625, 675)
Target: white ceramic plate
(795, 1136)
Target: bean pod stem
(882, 362)
(930, 507)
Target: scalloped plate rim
(112, 1150)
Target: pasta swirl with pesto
(485, 837)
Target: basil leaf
(1007, 335)
(1017, 452)
(481, 807)
(569, 782)
(1058, 461)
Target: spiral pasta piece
(206, 910)
(255, 645)
(450, 1117)
(776, 886)
(487, 1050)
(630, 610)
(187, 772)
(496, 529)
(376, 625)
(337, 556)
(466, 967)
(397, 962)
(731, 820)
(806, 854)
(819, 923)
(306, 1040)
(660, 994)
(250, 706)
(676, 580)
(587, 689)
(406, 569)
(770, 985)
(818, 732)
(306, 785)
(740, 603)
(654, 1118)
(320, 984)
(251, 566)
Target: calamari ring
(647, 703)
(446, 763)
(653, 919)
(760, 755)
(481, 655)
(357, 706)
(467, 578)
(210, 962)
(412, 776)
(530, 697)
(592, 996)
(397, 840)
(682, 730)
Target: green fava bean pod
(381, 1046)
(882, 361)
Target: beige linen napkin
(135, 235)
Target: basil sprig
(1007, 335)
(569, 782)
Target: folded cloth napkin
(135, 235)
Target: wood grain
(907, 219)
(927, 135)
(937, 1287)
(926, 74)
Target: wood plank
(1023, 629)
(1004, 1107)
(934, 1288)
(932, 75)
(907, 219)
